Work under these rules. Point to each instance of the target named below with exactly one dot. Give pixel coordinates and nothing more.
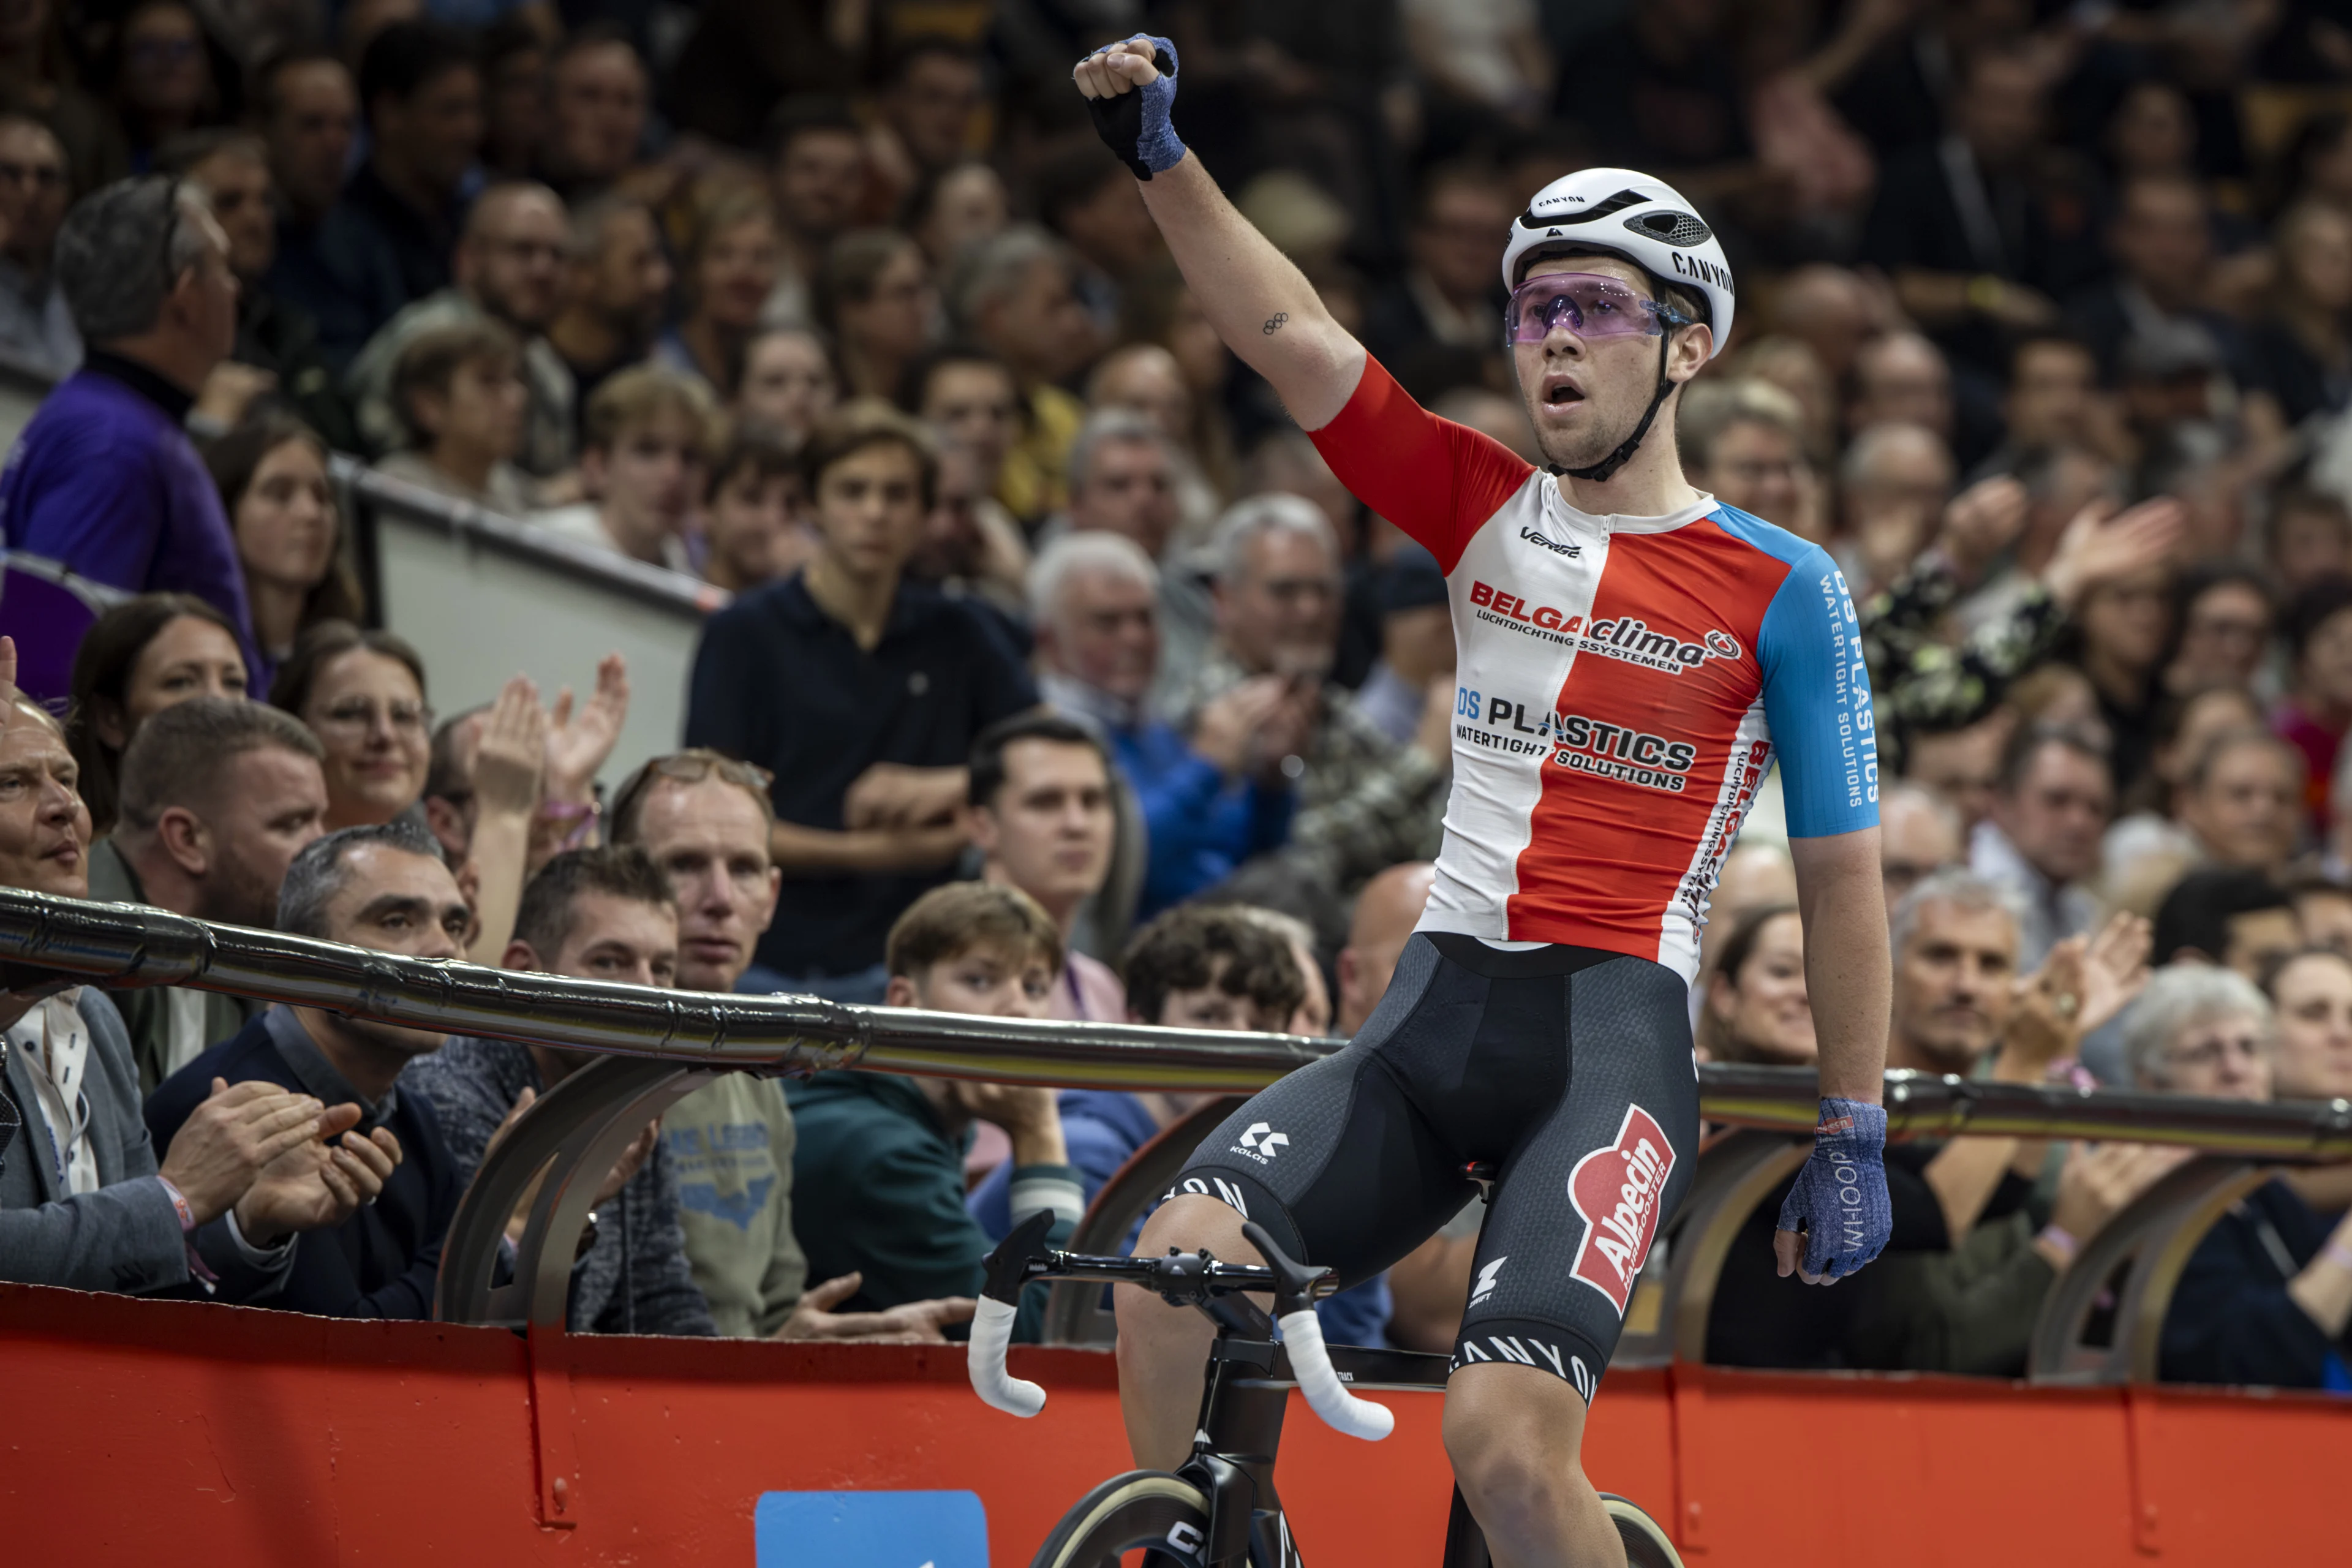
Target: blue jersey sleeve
(1817, 702)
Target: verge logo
(870, 1530)
(1571, 551)
(1486, 1277)
(1261, 1142)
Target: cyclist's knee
(1189, 1222)
(1514, 1436)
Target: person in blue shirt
(1209, 801)
(104, 481)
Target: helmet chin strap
(1600, 473)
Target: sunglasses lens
(1585, 304)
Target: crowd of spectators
(1053, 673)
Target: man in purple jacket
(104, 479)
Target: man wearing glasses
(103, 479)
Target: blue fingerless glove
(1135, 124)
(1840, 1201)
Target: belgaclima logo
(1628, 637)
(1570, 550)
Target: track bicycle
(1220, 1508)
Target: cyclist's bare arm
(1260, 303)
(1841, 897)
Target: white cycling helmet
(1627, 214)
(1621, 213)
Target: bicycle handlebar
(1181, 1280)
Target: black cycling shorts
(1567, 1069)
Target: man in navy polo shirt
(861, 692)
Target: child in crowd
(751, 531)
(459, 391)
(650, 433)
(877, 1172)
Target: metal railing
(666, 1043)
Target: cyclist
(1631, 657)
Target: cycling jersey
(1623, 684)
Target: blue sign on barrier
(870, 1530)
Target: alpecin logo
(1571, 551)
(1618, 1191)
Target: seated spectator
(37, 327)
(1122, 480)
(969, 397)
(460, 393)
(2124, 624)
(1386, 914)
(789, 383)
(649, 431)
(732, 255)
(867, 746)
(540, 804)
(420, 87)
(103, 480)
(1743, 443)
(85, 1205)
(1891, 486)
(704, 821)
(1364, 802)
(818, 171)
(2311, 996)
(277, 360)
(2238, 919)
(2042, 842)
(162, 76)
(1962, 765)
(1901, 378)
(1209, 803)
(217, 798)
(514, 93)
(327, 263)
(1045, 819)
(2267, 1295)
(2298, 352)
(1413, 681)
(1918, 835)
(2323, 911)
(137, 659)
(2241, 800)
(873, 295)
(593, 914)
(953, 210)
(1757, 1008)
(2161, 242)
(1013, 293)
(877, 1176)
(2222, 611)
(971, 546)
(1449, 295)
(597, 98)
(930, 102)
(751, 531)
(274, 484)
(1312, 1017)
(2318, 708)
(362, 694)
(2051, 403)
(381, 888)
(1102, 218)
(508, 268)
(2185, 728)
(615, 287)
(2309, 539)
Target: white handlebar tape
(992, 1331)
(1310, 1363)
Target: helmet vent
(1599, 209)
(1674, 229)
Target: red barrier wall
(179, 1434)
